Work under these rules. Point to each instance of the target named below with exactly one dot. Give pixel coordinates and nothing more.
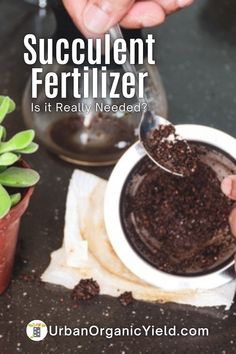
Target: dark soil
(172, 152)
(126, 298)
(179, 225)
(85, 290)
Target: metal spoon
(149, 121)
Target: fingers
(144, 14)
(232, 221)
(75, 9)
(170, 6)
(95, 17)
(147, 13)
(99, 16)
(228, 186)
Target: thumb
(99, 16)
(232, 221)
(228, 186)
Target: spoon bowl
(150, 122)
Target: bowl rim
(131, 259)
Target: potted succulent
(16, 181)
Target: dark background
(196, 54)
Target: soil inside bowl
(180, 225)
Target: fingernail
(226, 186)
(183, 3)
(96, 19)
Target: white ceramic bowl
(116, 233)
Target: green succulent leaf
(19, 177)
(3, 133)
(30, 149)
(8, 159)
(12, 105)
(18, 142)
(15, 199)
(5, 202)
(6, 106)
(11, 176)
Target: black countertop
(196, 56)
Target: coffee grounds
(179, 225)
(126, 298)
(170, 151)
(85, 290)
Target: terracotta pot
(9, 227)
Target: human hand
(95, 17)
(228, 187)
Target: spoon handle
(115, 33)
